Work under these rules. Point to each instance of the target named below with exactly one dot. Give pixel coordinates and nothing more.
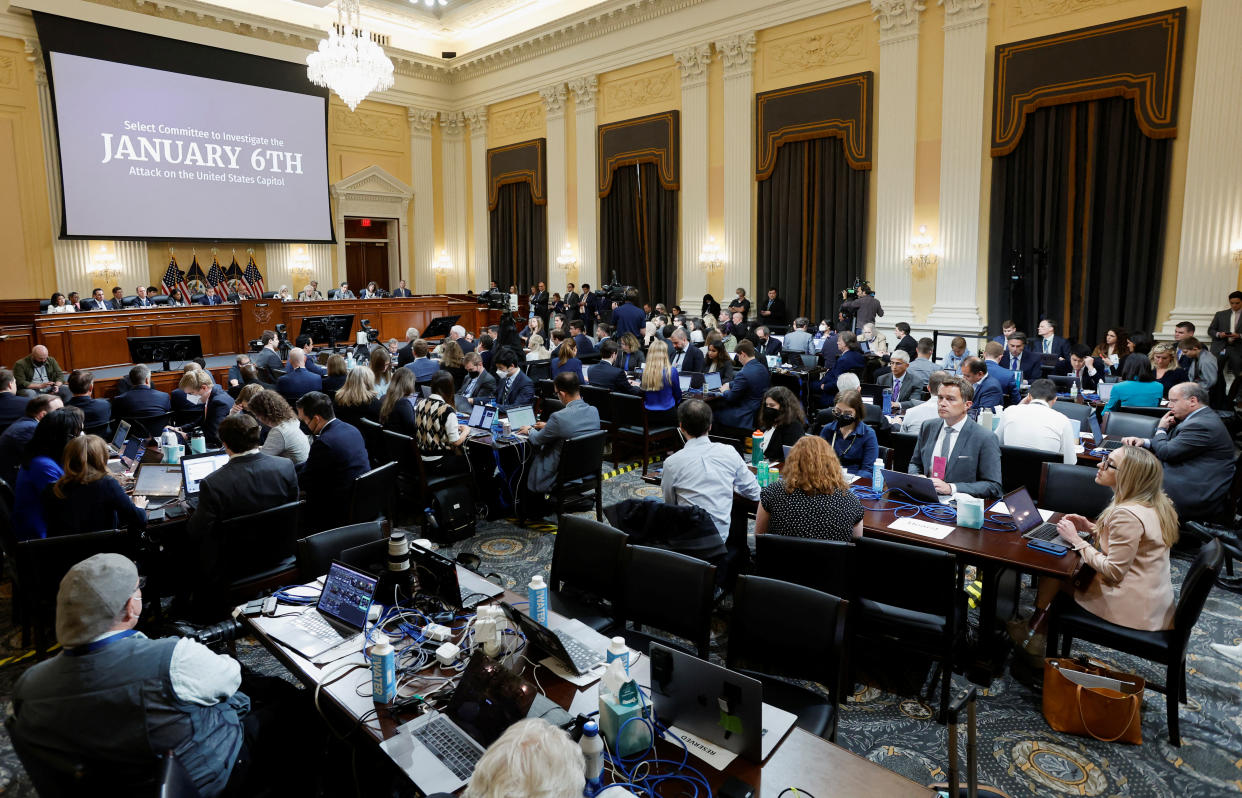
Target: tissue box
(637, 736)
(969, 511)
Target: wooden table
(802, 760)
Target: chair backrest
(56, 774)
(902, 444)
(885, 453)
(1074, 410)
(150, 426)
(627, 410)
(823, 565)
(590, 556)
(1072, 489)
(670, 591)
(1121, 424)
(549, 406)
(1021, 467)
(101, 430)
(598, 398)
(768, 631)
(260, 541)
(545, 388)
(1195, 588)
(175, 781)
(316, 552)
(400, 449)
(42, 562)
(372, 438)
(582, 457)
(373, 494)
(1152, 412)
(539, 369)
(905, 576)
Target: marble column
(966, 65)
(587, 249)
(1212, 208)
(692, 281)
(423, 251)
(557, 188)
(896, 139)
(453, 159)
(737, 239)
(480, 260)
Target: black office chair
(1074, 411)
(599, 398)
(632, 421)
(769, 638)
(823, 565)
(539, 370)
(587, 571)
(372, 438)
(1068, 621)
(1150, 412)
(44, 304)
(673, 593)
(1072, 489)
(580, 471)
(260, 552)
(1022, 467)
(161, 299)
(102, 430)
(374, 495)
(885, 453)
(590, 358)
(150, 426)
(174, 780)
(196, 299)
(1122, 424)
(902, 444)
(188, 415)
(316, 552)
(917, 607)
(548, 406)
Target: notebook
(197, 467)
(339, 615)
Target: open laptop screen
(489, 699)
(122, 432)
(156, 479)
(521, 417)
(347, 595)
(196, 469)
(711, 381)
(1023, 511)
(685, 381)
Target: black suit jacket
(605, 375)
(93, 304)
(12, 407)
(772, 347)
(401, 292)
(243, 485)
(297, 383)
(521, 392)
(140, 401)
(338, 456)
(1198, 459)
(693, 360)
(1222, 322)
(777, 312)
(405, 355)
(908, 345)
(97, 411)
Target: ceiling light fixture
(430, 3)
(348, 62)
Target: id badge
(939, 464)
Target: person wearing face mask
(478, 385)
(782, 420)
(338, 456)
(853, 441)
(513, 388)
(200, 390)
(38, 373)
(178, 400)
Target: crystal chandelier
(348, 62)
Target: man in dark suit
(849, 358)
(988, 392)
(907, 385)
(210, 298)
(992, 354)
(249, 482)
(118, 299)
(141, 300)
(740, 399)
(865, 308)
(1225, 332)
(627, 317)
(513, 388)
(683, 356)
(589, 307)
(905, 341)
(267, 360)
(97, 412)
(572, 300)
(12, 406)
(971, 454)
(96, 302)
(201, 389)
(405, 355)
(298, 382)
(1049, 343)
(578, 330)
(765, 343)
(141, 400)
(739, 328)
(1019, 359)
(401, 290)
(307, 345)
(605, 373)
(422, 365)
(478, 386)
(828, 350)
(772, 312)
(1082, 367)
(547, 438)
(338, 456)
(1197, 453)
(458, 333)
(539, 303)
(13, 441)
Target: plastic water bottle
(349, 364)
(617, 650)
(1074, 389)
(496, 427)
(877, 475)
(756, 447)
(383, 672)
(537, 595)
(593, 753)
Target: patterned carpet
(885, 720)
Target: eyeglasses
(1106, 463)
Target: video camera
(860, 285)
(494, 299)
(615, 291)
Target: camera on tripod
(494, 299)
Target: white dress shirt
(1036, 425)
(915, 416)
(706, 474)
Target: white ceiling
(462, 26)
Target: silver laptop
(917, 487)
(116, 446)
(1105, 390)
(339, 615)
(685, 381)
(521, 417)
(196, 468)
(438, 750)
(158, 479)
(810, 361)
(711, 381)
(561, 645)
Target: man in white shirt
(1034, 424)
(913, 420)
(706, 474)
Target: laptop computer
(339, 615)
(439, 750)
(718, 705)
(686, 381)
(197, 467)
(711, 381)
(117, 445)
(1027, 518)
(521, 417)
(572, 652)
(774, 361)
(917, 487)
(437, 576)
(1104, 390)
(810, 361)
(128, 457)
(158, 479)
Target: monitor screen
(711, 381)
(158, 480)
(347, 594)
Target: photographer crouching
(117, 701)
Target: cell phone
(1048, 547)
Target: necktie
(1047, 346)
(1017, 363)
(897, 388)
(677, 359)
(947, 442)
(508, 384)
(470, 388)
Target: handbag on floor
(1085, 697)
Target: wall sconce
(103, 264)
(566, 259)
(300, 266)
(443, 266)
(1237, 252)
(709, 257)
(920, 253)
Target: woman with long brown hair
(87, 498)
(452, 360)
(811, 499)
(567, 359)
(397, 411)
(381, 370)
(285, 437)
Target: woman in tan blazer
(1130, 556)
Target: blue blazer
(988, 393)
(28, 519)
(857, 452)
(573, 364)
(12, 407)
(297, 383)
(210, 298)
(424, 368)
(628, 318)
(667, 397)
(96, 411)
(741, 402)
(1005, 378)
(1031, 363)
(585, 345)
(337, 457)
(606, 375)
(140, 401)
(521, 392)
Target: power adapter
(447, 654)
(437, 632)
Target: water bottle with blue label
(877, 476)
(537, 596)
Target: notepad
(919, 527)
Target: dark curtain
(638, 234)
(812, 227)
(1078, 222)
(519, 238)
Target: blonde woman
(660, 384)
(453, 360)
(358, 399)
(876, 340)
(1164, 364)
(1129, 552)
(537, 350)
(811, 499)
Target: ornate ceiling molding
(554, 98)
(477, 118)
(452, 124)
(584, 90)
(421, 120)
(737, 52)
(693, 62)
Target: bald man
(298, 381)
(38, 373)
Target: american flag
(253, 278)
(174, 278)
(216, 281)
(233, 278)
